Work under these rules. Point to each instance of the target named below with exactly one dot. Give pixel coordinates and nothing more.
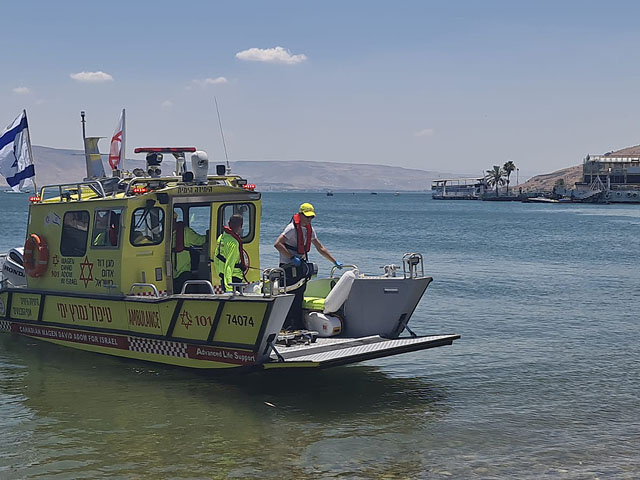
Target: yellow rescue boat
(100, 260)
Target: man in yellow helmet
(229, 259)
(182, 238)
(294, 244)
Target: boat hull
(188, 331)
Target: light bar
(164, 149)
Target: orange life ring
(35, 265)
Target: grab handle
(144, 285)
(333, 269)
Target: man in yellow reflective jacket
(229, 259)
(183, 237)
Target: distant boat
(540, 200)
(329, 193)
(396, 194)
(374, 193)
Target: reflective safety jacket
(227, 261)
(181, 257)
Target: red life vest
(303, 247)
(179, 246)
(113, 229)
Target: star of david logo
(86, 275)
(185, 319)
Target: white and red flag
(117, 150)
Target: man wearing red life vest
(294, 244)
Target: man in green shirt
(183, 237)
(229, 260)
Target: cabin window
(147, 227)
(75, 230)
(248, 212)
(106, 228)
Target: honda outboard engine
(13, 268)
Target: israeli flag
(16, 164)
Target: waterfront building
(458, 188)
(613, 177)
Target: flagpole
(35, 185)
(123, 149)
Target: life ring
(247, 261)
(35, 265)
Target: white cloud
(91, 77)
(167, 104)
(22, 90)
(270, 55)
(210, 81)
(425, 132)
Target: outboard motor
(13, 268)
(200, 166)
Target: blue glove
(296, 261)
(338, 264)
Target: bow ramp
(330, 352)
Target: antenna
(222, 134)
(84, 135)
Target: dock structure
(613, 177)
(458, 188)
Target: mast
(222, 134)
(35, 185)
(92, 157)
(123, 149)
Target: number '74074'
(240, 320)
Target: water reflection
(82, 412)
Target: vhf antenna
(222, 134)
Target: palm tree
(495, 177)
(508, 167)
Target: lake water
(545, 381)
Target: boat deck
(327, 352)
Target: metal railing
(411, 262)
(95, 186)
(334, 268)
(274, 282)
(206, 283)
(144, 285)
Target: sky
(445, 86)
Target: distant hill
(545, 182)
(62, 165)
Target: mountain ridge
(54, 165)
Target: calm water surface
(545, 381)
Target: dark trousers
(233, 280)
(294, 319)
(178, 282)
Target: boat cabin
(117, 237)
